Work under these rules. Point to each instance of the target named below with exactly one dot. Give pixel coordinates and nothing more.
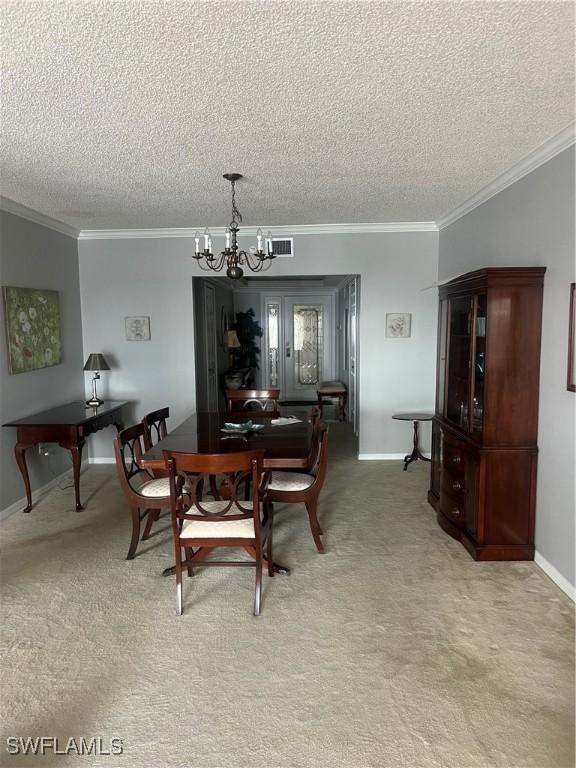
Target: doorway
(299, 343)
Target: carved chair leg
(189, 552)
(149, 521)
(135, 512)
(258, 582)
(269, 554)
(314, 525)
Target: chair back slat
(263, 400)
(128, 450)
(319, 450)
(155, 427)
(189, 473)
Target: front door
(299, 344)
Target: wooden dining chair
(146, 495)
(287, 487)
(200, 526)
(264, 401)
(155, 427)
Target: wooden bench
(333, 390)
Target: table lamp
(96, 362)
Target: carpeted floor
(394, 649)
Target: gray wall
(32, 256)
(154, 277)
(531, 223)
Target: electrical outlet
(43, 449)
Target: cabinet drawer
(453, 508)
(453, 484)
(453, 459)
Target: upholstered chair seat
(290, 481)
(154, 488)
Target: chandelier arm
(219, 262)
(205, 268)
(249, 259)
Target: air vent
(283, 246)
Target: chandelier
(256, 258)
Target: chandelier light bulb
(196, 242)
(259, 240)
(227, 238)
(206, 239)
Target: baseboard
(37, 494)
(555, 575)
(101, 460)
(381, 456)
(385, 456)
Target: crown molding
(10, 206)
(529, 163)
(279, 231)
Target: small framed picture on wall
(398, 325)
(137, 328)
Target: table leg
(20, 452)
(416, 454)
(76, 453)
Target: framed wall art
(137, 328)
(398, 325)
(32, 320)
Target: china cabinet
(484, 452)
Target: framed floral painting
(32, 319)
(398, 325)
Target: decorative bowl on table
(241, 427)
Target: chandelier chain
(236, 215)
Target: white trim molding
(529, 163)
(381, 456)
(277, 231)
(102, 460)
(10, 206)
(555, 575)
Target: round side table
(416, 418)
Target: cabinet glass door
(458, 369)
(442, 351)
(479, 350)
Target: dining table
(285, 445)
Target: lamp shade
(231, 340)
(96, 362)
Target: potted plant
(246, 357)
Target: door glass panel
(273, 318)
(307, 344)
(459, 348)
(479, 364)
(442, 347)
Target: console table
(68, 425)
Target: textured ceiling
(125, 114)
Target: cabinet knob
(456, 459)
(456, 512)
(456, 486)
